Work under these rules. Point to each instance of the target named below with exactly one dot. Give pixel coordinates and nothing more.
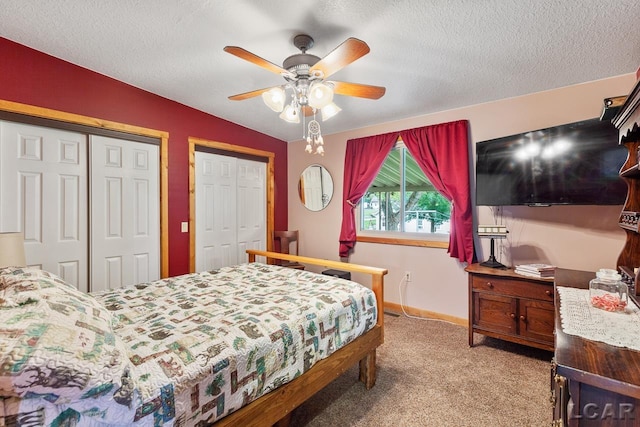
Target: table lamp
(12, 250)
(493, 232)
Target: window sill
(403, 242)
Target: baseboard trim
(397, 308)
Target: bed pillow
(21, 285)
(57, 342)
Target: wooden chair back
(283, 241)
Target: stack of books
(536, 270)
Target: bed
(242, 345)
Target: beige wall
(576, 237)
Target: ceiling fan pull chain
(304, 124)
(308, 148)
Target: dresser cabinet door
(536, 320)
(495, 313)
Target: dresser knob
(549, 293)
(524, 319)
(513, 315)
(490, 285)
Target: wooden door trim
(232, 149)
(163, 136)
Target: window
(402, 200)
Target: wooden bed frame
(275, 407)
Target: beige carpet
(429, 376)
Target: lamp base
(493, 263)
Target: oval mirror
(315, 187)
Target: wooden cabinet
(627, 121)
(592, 383)
(505, 305)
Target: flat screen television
(572, 164)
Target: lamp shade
(320, 95)
(329, 111)
(12, 250)
(290, 114)
(274, 98)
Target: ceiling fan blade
(343, 55)
(359, 90)
(255, 59)
(247, 95)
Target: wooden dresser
(592, 383)
(509, 306)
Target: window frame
(403, 238)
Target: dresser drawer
(521, 288)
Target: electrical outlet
(407, 276)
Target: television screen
(572, 164)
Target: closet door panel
(216, 216)
(125, 213)
(43, 192)
(252, 217)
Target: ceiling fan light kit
(305, 76)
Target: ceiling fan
(306, 80)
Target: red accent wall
(31, 77)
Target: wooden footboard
(278, 404)
(377, 274)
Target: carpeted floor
(429, 376)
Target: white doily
(579, 317)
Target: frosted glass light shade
(274, 98)
(12, 250)
(329, 111)
(290, 114)
(320, 95)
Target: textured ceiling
(430, 55)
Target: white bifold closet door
(230, 211)
(125, 213)
(44, 193)
(88, 205)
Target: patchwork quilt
(179, 351)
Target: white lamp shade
(330, 111)
(12, 250)
(290, 114)
(274, 98)
(320, 95)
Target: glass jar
(607, 291)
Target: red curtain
(442, 153)
(362, 161)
